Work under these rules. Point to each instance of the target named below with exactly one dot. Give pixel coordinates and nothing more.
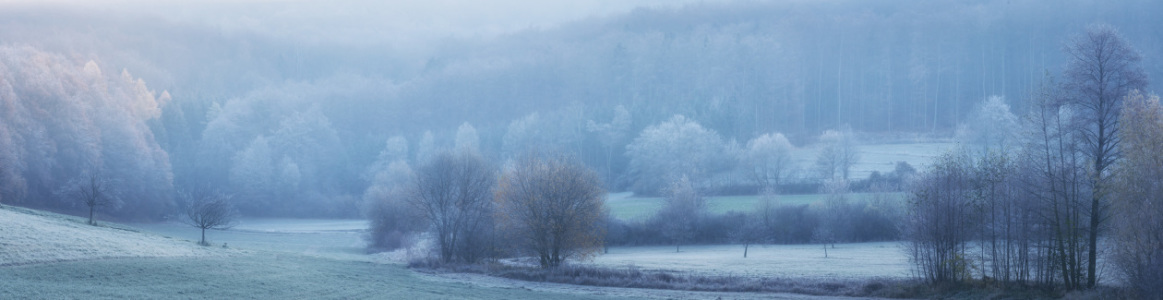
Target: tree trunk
(91, 208)
(825, 250)
(1091, 265)
(204, 237)
(745, 246)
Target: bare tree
(835, 214)
(838, 153)
(681, 212)
(555, 205)
(1055, 176)
(1103, 68)
(746, 229)
(611, 134)
(93, 191)
(207, 209)
(767, 160)
(940, 222)
(454, 193)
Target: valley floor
(50, 256)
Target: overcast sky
(393, 21)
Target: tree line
(1042, 202)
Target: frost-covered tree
(522, 135)
(61, 117)
(767, 160)
(467, 138)
(991, 126)
(395, 149)
(666, 152)
(683, 210)
(426, 148)
(838, 153)
(611, 135)
(252, 177)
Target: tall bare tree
(454, 193)
(207, 209)
(1053, 177)
(1103, 68)
(554, 204)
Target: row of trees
(544, 205)
(1033, 207)
(684, 218)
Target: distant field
(845, 261)
(884, 157)
(626, 207)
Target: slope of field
(30, 236)
(51, 256)
(259, 275)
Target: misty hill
(32, 236)
(293, 107)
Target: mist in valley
(701, 123)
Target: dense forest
(299, 121)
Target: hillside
(29, 236)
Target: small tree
(767, 160)
(940, 221)
(746, 229)
(682, 212)
(555, 205)
(835, 215)
(208, 210)
(838, 152)
(91, 190)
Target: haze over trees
(325, 102)
(421, 132)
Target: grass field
(845, 261)
(257, 275)
(627, 207)
(51, 256)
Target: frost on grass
(846, 261)
(28, 237)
